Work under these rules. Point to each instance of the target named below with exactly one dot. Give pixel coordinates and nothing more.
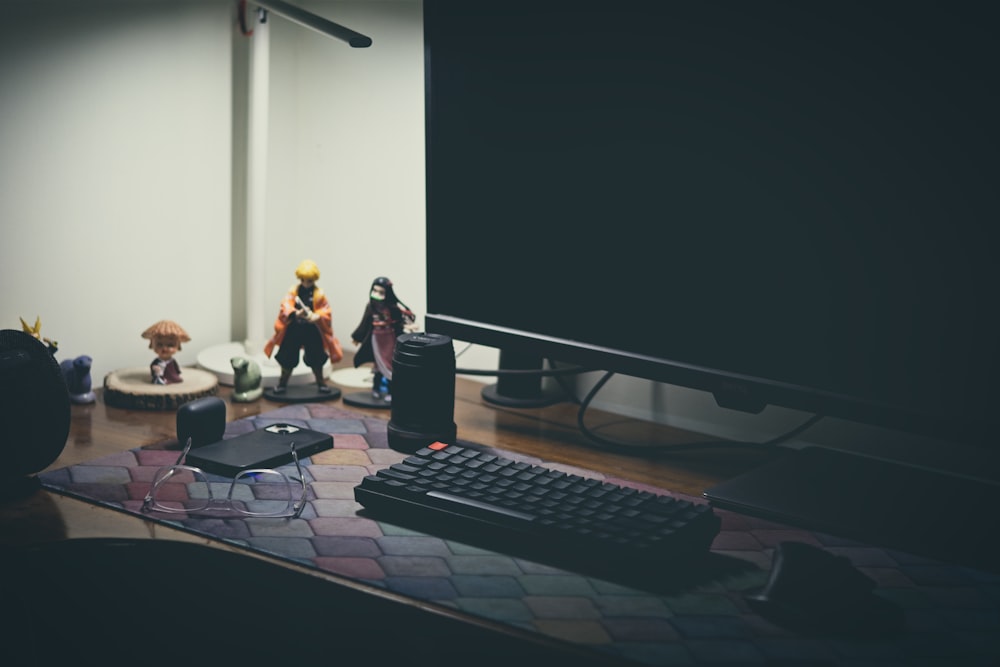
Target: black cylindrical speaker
(423, 392)
(34, 409)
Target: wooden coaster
(132, 388)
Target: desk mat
(952, 614)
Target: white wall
(115, 173)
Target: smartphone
(268, 447)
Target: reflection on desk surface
(168, 602)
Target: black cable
(568, 391)
(552, 372)
(627, 448)
(653, 450)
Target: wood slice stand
(132, 388)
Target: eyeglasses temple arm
(302, 479)
(187, 448)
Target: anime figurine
(36, 331)
(246, 380)
(304, 325)
(77, 375)
(385, 319)
(165, 338)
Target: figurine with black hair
(304, 327)
(385, 319)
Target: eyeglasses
(261, 492)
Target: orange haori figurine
(304, 325)
(165, 338)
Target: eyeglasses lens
(262, 493)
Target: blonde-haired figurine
(165, 337)
(304, 325)
(36, 332)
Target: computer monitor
(780, 203)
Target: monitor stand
(520, 390)
(888, 504)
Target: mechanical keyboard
(540, 513)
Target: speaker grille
(34, 406)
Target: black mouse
(813, 591)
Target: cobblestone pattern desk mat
(952, 613)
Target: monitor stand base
(520, 390)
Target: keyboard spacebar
(477, 504)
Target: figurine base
(490, 394)
(83, 399)
(133, 389)
(247, 396)
(364, 399)
(297, 393)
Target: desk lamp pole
(257, 120)
(217, 359)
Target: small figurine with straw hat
(165, 338)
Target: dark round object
(301, 393)
(423, 392)
(34, 407)
(364, 399)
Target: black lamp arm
(317, 23)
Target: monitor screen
(777, 202)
